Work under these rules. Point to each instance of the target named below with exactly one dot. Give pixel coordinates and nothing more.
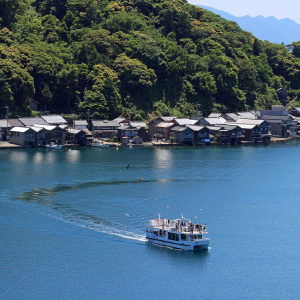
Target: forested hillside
(135, 58)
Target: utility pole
(88, 113)
(197, 109)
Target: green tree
(102, 93)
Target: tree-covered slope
(135, 58)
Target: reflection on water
(38, 158)
(73, 156)
(163, 158)
(19, 156)
(50, 156)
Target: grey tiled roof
(276, 117)
(168, 118)
(15, 122)
(229, 127)
(105, 123)
(20, 129)
(246, 115)
(233, 116)
(3, 123)
(54, 119)
(197, 127)
(214, 121)
(138, 124)
(32, 121)
(250, 121)
(73, 130)
(179, 128)
(183, 122)
(81, 122)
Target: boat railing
(182, 228)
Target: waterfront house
(183, 135)
(130, 134)
(281, 125)
(213, 131)
(23, 136)
(163, 130)
(153, 123)
(57, 134)
(105, 128)
(77, 137)
(251, 132)
(54, 120)
(231, 134)
(42, 136)
(201, 134)
(89, 136)
(264, 129)
(80, 124)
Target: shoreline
(7, 145)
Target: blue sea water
(72, 222)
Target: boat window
(171, 236)
(183, 237)
(200, 237)
(177, 237)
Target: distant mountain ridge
(265, 28)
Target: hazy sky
(278, 9)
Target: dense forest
(135, 58)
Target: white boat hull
(100, 145)
(196, 245)
(58, 147)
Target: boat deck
(193, 229)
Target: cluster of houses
(229, 128)
(47, 129)
(222, 128)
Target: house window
(29, 136)
(233, 133)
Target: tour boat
(53, 146)
(179, 234)
(99, 144)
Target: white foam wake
(103, 228)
